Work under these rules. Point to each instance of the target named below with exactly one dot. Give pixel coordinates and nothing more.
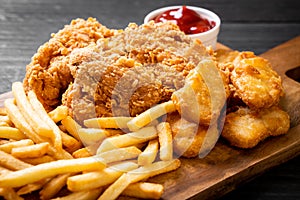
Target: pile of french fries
(48, 153)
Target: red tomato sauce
(189, 21)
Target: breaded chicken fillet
(128, 73)
(49, 72)
(245, 128)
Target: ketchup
(188, 21)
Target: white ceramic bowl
(208, 38)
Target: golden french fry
(92, 180)
(3, 141)
(10, 162)
(144, 190)
(70, 143)
(165, 141)
(140, 136)
(7, 147)
(119, 154)
(28, 112)
(90, 136)
(32, 151)
(54, 186)
(113, 132)
(11, 133)
(31, 187)
(151, 114)
(3, 170)
(141, 173)
(39, 160)
(72, 126)
(41, 112)
(46, 170)
(107, 122)
(4, 119)
(9, 194)
(59, 113)
(84, 195)
(4, 124)
(81, 153)
(3, 111)
(149, 154)
(19, 121)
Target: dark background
(254, 25)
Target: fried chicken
(130, 72)
(252, 78)
(191, 139)
(49, 72)
(245, 128)
(203, 95)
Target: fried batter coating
(203, 95)
(245, 128)
(255, 82)
(49, 73)
(191, 139)
(126, 74)
(252, 78)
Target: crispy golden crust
(49, 72)
(245, 128)
(255, 82)
(252, 78)
(126, 74)
(187, 136)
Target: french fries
(72, 126)
(108, 122)
(165, 141)
(32, 151)
(7, 147)
(10, 162)
(54, 134)
(11, 133)
(151, 114)
(140, 136)
(119, 154)
(52, 187)
(9, 194)
(90, 136)
(141, 173)
(149, 154)
(19, 121)
(28, 112)
(93, 180)
(45, 170)
(84, 195)
(59, 113)
(35, 154)
(38, 160)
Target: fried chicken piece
(252, 78)
(128, 73)
(245, 128)
(190, 139)
(203, 95)
(255, 82)
(49, 73)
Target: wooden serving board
(226, 167)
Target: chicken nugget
(245, 128)
(255, 82)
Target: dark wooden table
(253, 25)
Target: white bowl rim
(208, 14)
